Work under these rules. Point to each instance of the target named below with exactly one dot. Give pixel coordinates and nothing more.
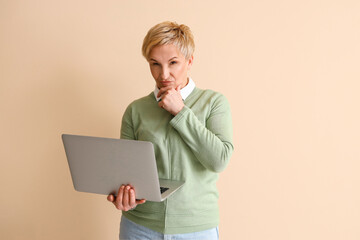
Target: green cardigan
(194, 146)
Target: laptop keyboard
(163, 189)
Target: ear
(190, 62)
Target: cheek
(180, 70)
(183, 71)
(153, 72)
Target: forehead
(165, 52)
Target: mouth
(166, 83)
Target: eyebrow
(151, 59)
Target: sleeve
(127, 128)
(211, 143)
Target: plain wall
(290, 70)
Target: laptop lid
(102, 165)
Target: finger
(141, 201)
(163, 104)
(118, 201)
(110, 198)
(171, 93)
(163, 90)
(125, 201)
(167, 97)
(132, 200)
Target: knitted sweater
(193, 146)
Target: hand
(125, 199)
(171, 100)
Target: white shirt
(185, 91)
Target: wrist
(179, 110)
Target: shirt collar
(185, 91)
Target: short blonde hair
(169, 33)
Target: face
(168, 66)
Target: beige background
(290, 70)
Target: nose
(165, 73)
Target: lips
(165, 83)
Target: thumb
(110, 198)
(178, 88)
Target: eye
(173, 62)
(154, 64)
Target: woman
(191, 130)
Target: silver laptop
(102, 165)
